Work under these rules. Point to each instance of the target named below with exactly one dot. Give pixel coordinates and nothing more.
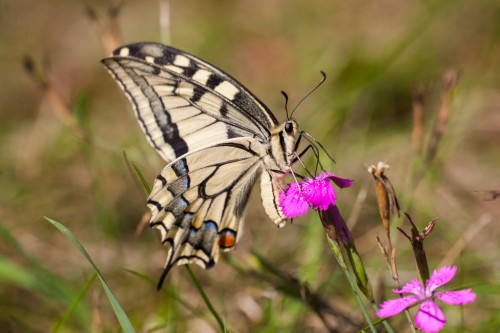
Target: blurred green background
(65, 125)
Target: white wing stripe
(181, 61)
(227, 89)
(201, 76)
(124, 52)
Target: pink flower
(292, 202)
(429, 318)
(316, 192)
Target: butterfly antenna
(313, 90)
(286, 104)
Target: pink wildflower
(293, 202)
(429, 318)
(316, 192)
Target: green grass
(118, 310)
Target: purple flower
(429, 318)
(316, 192)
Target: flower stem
(340, 258)
(408, 316)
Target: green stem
(338, 255)
(206, 300)
(408, 316)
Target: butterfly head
(282, 145)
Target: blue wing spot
(184, 221)
(203, 238)
(177, 207)
(180, 167)
(210, 225)
(179, 186)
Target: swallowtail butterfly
(218, 139)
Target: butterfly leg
(312, 145)
(313, 141)
(298, 157)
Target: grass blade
(64, 318)
(143, 180)
(15, 274)
(207, 301)
(120, 314)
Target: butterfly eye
(289, 127)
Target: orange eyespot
(227, 239)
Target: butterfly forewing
(218, 139)
(176, 96)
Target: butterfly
(218, 139)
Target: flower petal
(440, 277)
(339, 181)
(414, 287)
(292, 202)
(430, 318)
(394, 306)
(319, 193)
(458, 297)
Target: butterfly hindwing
(182, 102)
(198, 201)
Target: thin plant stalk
(337, 252)
(206, 300)
(71, 309)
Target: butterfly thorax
(282, 144)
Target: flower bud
(337, 231)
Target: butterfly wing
(182, 103)
(199, 199)
(218, 138)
